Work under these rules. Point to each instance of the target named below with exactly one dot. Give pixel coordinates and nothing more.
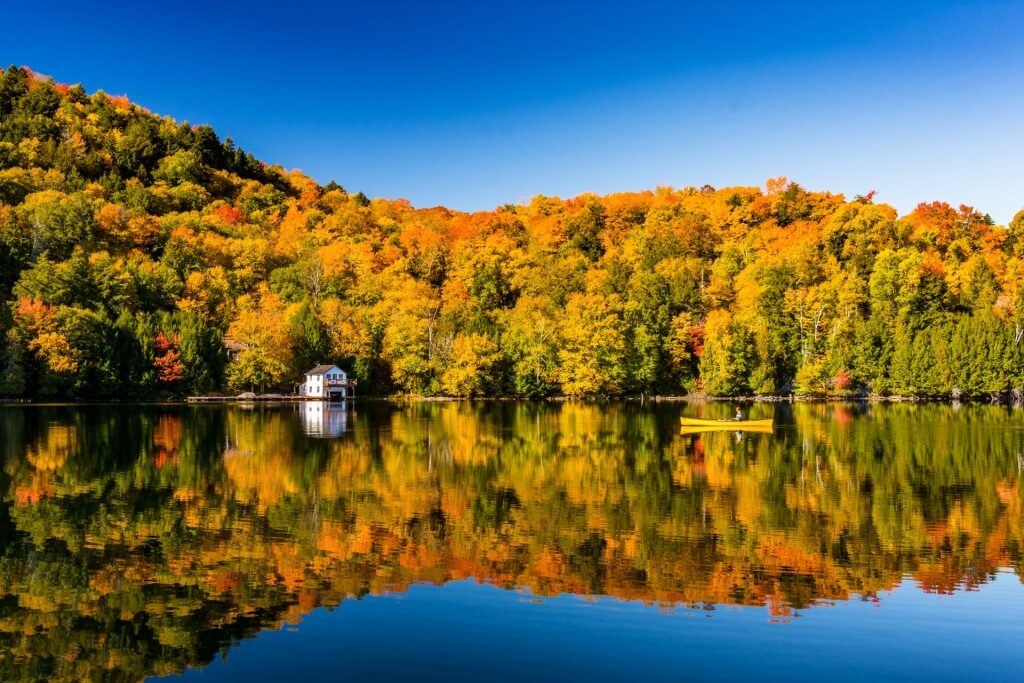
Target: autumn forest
(131, 245)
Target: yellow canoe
(693, 424)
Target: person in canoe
(739, 414)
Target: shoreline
(1009, 400)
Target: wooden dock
(254, 398)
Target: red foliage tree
(842, 381)
(169, 368)
(228, 214)
(697, 339)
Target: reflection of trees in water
(144, 540)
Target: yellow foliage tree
(592, 346)
(471, 358)
(262, 323)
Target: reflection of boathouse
(323, 419)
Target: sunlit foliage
(126, 225)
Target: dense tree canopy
(119, 227)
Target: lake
(467, 541)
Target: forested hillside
(131, 245)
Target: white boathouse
(327, 382)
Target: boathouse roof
(321, 369)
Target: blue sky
(474, 104)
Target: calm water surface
(498, 541)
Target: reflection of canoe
(705, 429)
(692, 424)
